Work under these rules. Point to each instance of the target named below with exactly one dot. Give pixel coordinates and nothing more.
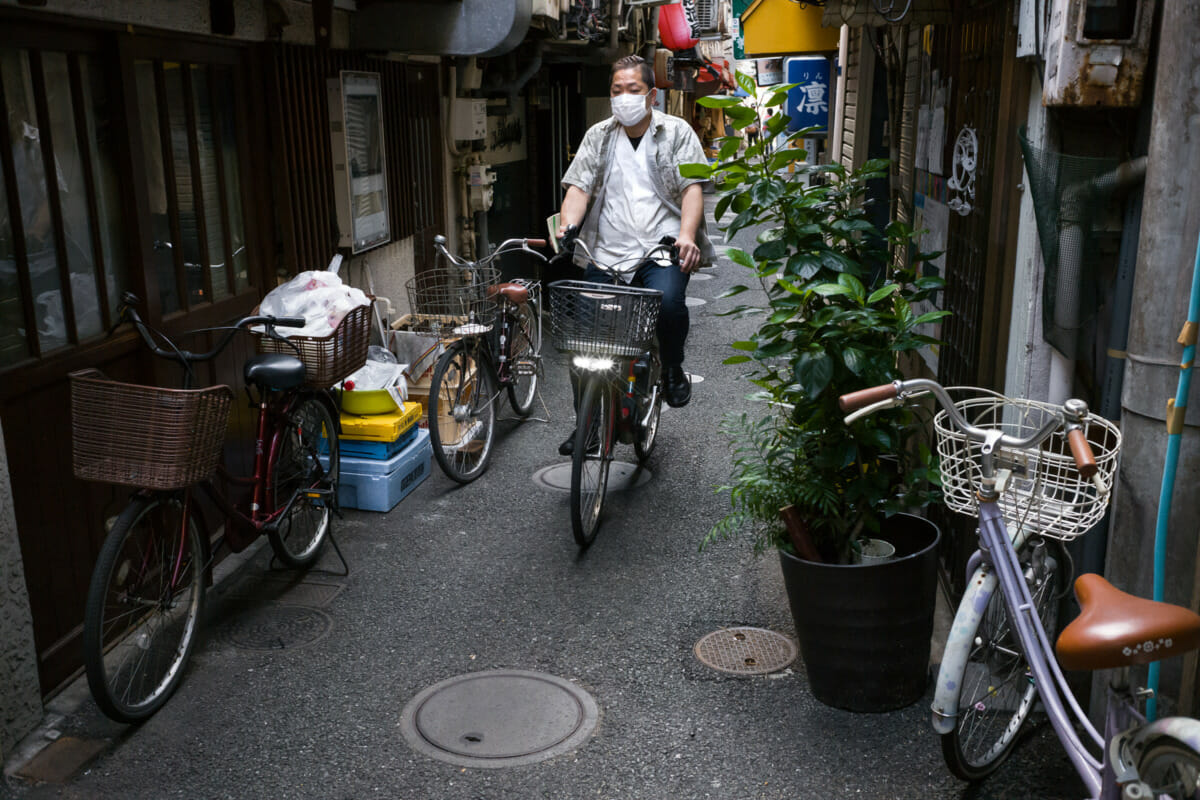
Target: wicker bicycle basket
(145, 436)
(602, 319)
(328, 359)
(454, 294)
(1045, 491)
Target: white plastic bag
(319, 297)
(381, 371)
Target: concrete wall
(20, 694)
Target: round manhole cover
(621, 475)
(499, 718)
(694, 301)
(276, 627)
(746, 651)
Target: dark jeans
(673, 319)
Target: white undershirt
(631, 207)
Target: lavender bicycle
(1036, 475)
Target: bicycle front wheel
(591, 460)
(997, 690)
(462, 412)
(143, 608)
(1171, 769)
(303, 489)
(525, 349)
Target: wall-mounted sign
(359, 166)
(770, 71)
(808, 101)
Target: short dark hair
(634, 62)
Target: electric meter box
(1096, 52)
(359, 161)
(468, 119)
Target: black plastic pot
(864, 630)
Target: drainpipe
(614, 24)
(1070, 241)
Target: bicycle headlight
(593, 363)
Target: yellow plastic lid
(381, 427)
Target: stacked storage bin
(383, 458)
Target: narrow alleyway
(486, 577)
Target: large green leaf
(855, 360)
(831, 289)
(703, 171)
(857, 290)
(750, 346)
(882, 292)
(746, 83)
(739, 256)
(813, 372)
(767, 192)
(718, 101)
(771, 250)
(931, 316)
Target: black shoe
(679, 388)
(567, 448)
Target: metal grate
(746, 651)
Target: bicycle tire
(139, 627)
(1170, 768)
(591, 460)
(524, 362)
(996, 693)
(297, 471)
(462, 412)
(646, 434)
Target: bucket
(865, 629)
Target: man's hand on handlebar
(689, 254)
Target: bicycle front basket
(145, 436)
(455, 296)
(1045, 491)
(603, 319)
(327, 359)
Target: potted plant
(840, 312)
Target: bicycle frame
(266, 452)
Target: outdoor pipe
(1070, 238)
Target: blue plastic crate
(373, 484)
(378, 451)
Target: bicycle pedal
(525, 368)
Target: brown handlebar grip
(536, 242)
(1082, 451)
(865, 397)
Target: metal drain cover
(276, 627)
(746, 651)
(621, 475)
(499, 718)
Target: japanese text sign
(809, 100)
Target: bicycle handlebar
(507, 246)
(128, 310)
(665, 245)
(1074, 413)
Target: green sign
(739, 37)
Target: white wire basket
(1045, 491)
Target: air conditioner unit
(1096, 52)
(359, 163)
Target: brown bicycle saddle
(513, 291)
(1116, 629)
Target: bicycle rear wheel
(649, 412)
(591, 460)
(143, 608)
(997, 691)
(525, 349)
(298, 478)
(462, 412)
(1171, 769)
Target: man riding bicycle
(624, 191)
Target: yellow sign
(782, 27)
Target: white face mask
(630, 109)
